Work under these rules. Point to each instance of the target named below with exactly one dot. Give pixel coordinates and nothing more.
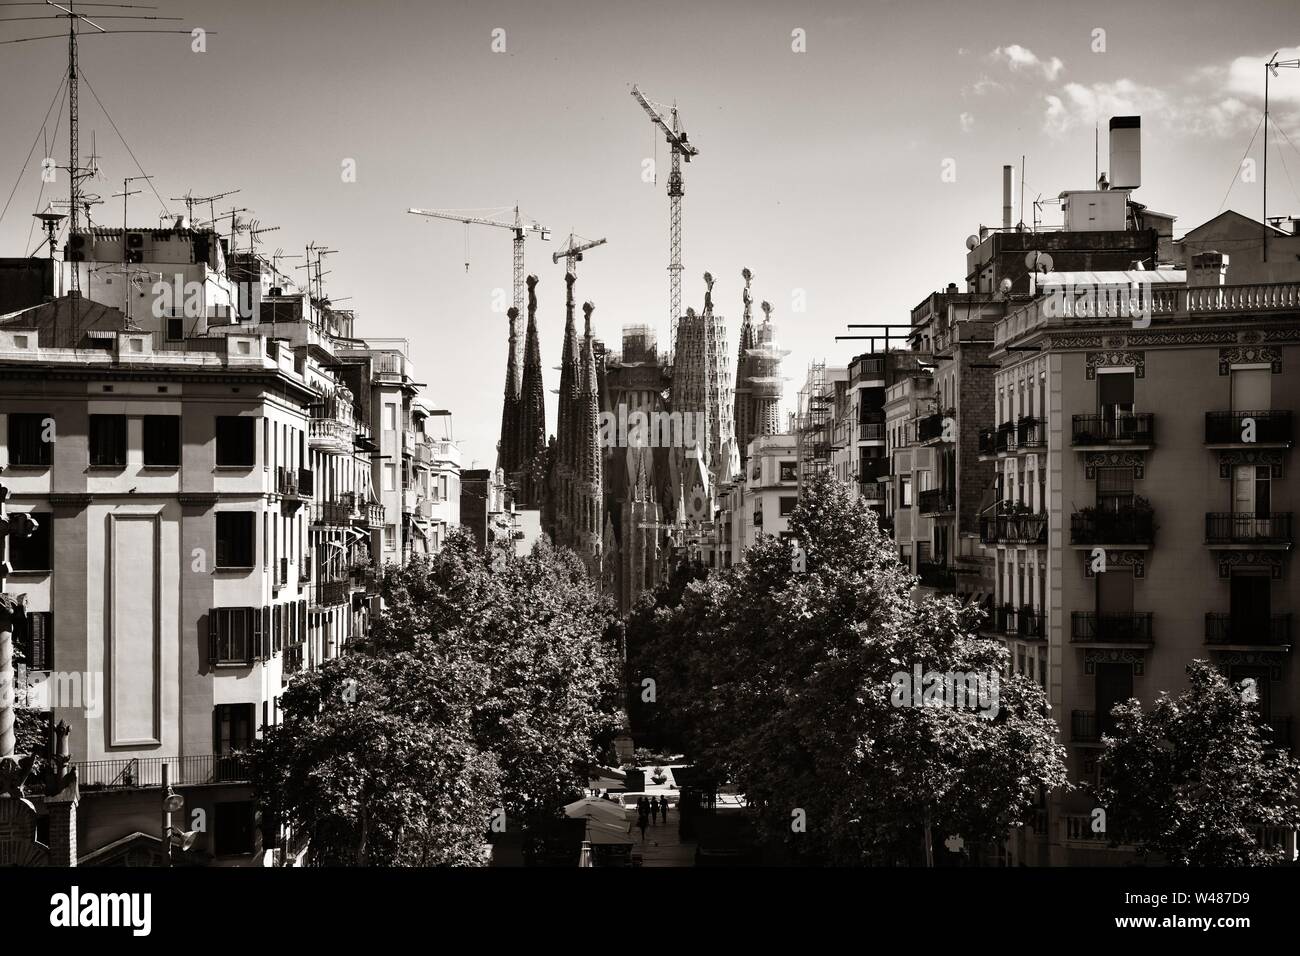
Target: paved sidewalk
(663, 846)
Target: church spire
(532, 411)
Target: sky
(821, 169)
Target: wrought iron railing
(1087, 627)
(145, 772)
(1247, 527)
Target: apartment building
(203, 474)
(911, 466)
(761, 501)
(1146, 511)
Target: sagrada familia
(632, 507)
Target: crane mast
(681, 149)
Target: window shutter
(40, 643)
(213, 615)
(216, 729)
(259, 631)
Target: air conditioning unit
(135, 240)
(134, 256)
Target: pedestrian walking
(641, 822)
(663, 808)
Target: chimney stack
(1006, 197)
(1125, 152)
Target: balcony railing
(1089, 628)
(330, 593)
(375, 515)
(1031, 624)
(1123, 429)
(331, 434)
(1248, 527)
(145, 772)
(286, 482)
(935, 575)
(1006, 437)
(1031, 433)
(1271, 630)
(337, 513)
(935, 501)
(929, 428)
(1130, 526)
(1246, 428)
(1014, 528)
(872, 431)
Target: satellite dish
(1038, 262)
(1004, 286)
(972, 242)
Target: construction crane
(667, 119)
(521, 225)
(573, 250)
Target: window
(1114, 488)
(162, 441)
(390, 537)
(904, 491)
(35, 553)
(38, 643)
(788, 504)
(390, 416)
(232, 727)
(234, 634)
(234, 826)
(29, 440)
(789, 471)
(107, 441)
(236, 441)
(390, 477)
(175, 330)
(236, 539)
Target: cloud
(1244, 77)
(1083, 105)
(982, 87)
(1020, 59)
(967, 122)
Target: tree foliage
(489, 683)
(1195, 777)
(781, 681)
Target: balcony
(929, 429)
(1134, 527)
(330, 435)
(138, 773)
(337, 513)
(1031, 625)
(1248, 529)
(1005, 439)
(934, 501)
(374, 515)
(1248, 630)
(1264, 429)
(1125, 430)
(872, 469)
(330, 593)
(987, 443)
(936, 575)
(1120, 630)
(1031, 433)
(871, 432)
(1014, 528)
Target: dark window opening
(108, 441)
(28, 444)
(236, 539)
(35, 553)
(236, 441)
(162, 441)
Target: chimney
(1125, 152)
(1208, 269)
(1006, 197)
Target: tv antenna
(126, 192)
(74, 33)
(192, 200)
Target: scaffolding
(814, 424)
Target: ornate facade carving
(1273, 660)
(1250, 355)
(1116, 358)
(1094, 656)
(1228, 459)
(1275, 561)
(1136, 460)
(1117, 558)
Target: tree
(1195, 777)
(782, 673)
(548, 645)
(374, 759)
